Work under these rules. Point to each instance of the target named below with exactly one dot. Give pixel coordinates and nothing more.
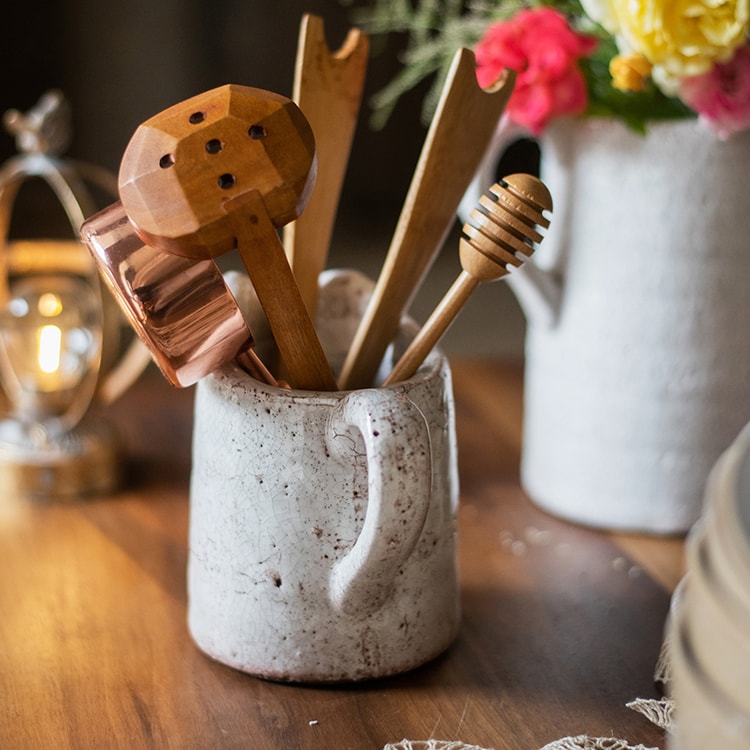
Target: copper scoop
(181, 308)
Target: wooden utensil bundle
(225, 169)
(465, 120)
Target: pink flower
(543, 50)
(721, 97)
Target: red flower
(544, 51)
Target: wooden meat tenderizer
(500, 238)
(224, 170)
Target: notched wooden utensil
(464, 122)
(222, 170)
(501, 237)
(328, 89)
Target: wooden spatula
(328, 89)
(459, 135)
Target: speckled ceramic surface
(322, 531)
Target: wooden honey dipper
(500, 237)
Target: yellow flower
(603, 12)
(683, 37)
(629, 72)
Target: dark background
(119, 63)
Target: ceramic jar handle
(399, 463)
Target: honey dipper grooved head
(502, 231)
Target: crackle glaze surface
(322, 531)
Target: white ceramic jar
(322, 525)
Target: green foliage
(434, 31)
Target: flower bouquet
(629, 59)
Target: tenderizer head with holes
(187, 167)
(501, 234)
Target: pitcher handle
(505, 135)
(399, 464)
(537, 291)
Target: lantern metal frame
(85, 459)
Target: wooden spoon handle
(501, 237)
(328, 89)
(462, 127)
(252, 364)
(263, 256)
(433, 329)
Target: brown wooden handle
(501, 237)
(433, 329)
(465, 120)
(263, 256)
(253, 365)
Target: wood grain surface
(561, 624)
(465, 119)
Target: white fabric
(593, 743)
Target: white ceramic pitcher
(638, 306)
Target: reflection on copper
(180, 307)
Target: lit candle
(50, 347)
(50, 341)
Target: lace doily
(593, 743)
(567, 743)
(663, 671)
(659, 712)
(431, 745)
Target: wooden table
(561, 625)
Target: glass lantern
(60, 347)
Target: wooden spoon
(457, 139)
(501, 237)
(223, 170)
(328, 89)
